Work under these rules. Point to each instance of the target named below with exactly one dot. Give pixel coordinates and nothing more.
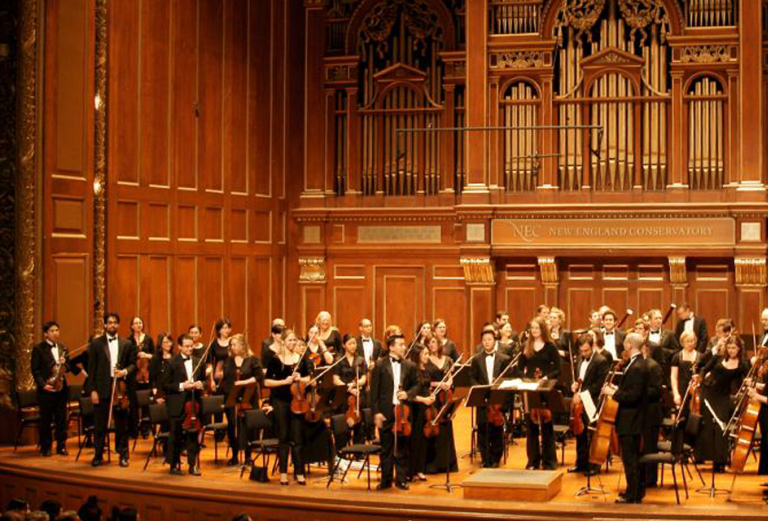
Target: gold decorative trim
(750, 271)
(677, 273)
(706, 54)
(478, 271)
(312, 270)
(548, 269)
(99, 173)
(27, 245)
(515, 60)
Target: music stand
(712, 490)
(448, 413)
(483, 396)
(545, 396)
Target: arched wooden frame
(501, 137)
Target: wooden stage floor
(220, 492)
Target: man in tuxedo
(613, 338)
(687, 321)
(485, 368)
(630, 419)
(591, 372)
(277, 328)
(183, 385)
(109, 358)
(47, 356)
(367, 346)
(394, 381)
(654, 412)
(663, 338)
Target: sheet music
(518, 385)
(589, 405)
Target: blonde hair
(239, 340)
(685, 336)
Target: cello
(606, 420)
(748, 410)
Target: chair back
(677, 441)
(212, 405)
(339, 425)
(158, 413)
(256, 420)
(86, 406)
(75, 391)
(143, 397)
(26, 399)
(693, 425)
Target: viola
(299, 402)
(142, 370)
(577, 410)
(605, 435)
(352, 415)
(402, 423)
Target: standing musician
(393, 382)
(562, 340)
(145, 350)
(160, 369)
(196, 332)
(664, 338)
(272, 338)
(687, 321)
(485, 368)
(591, 371)
(218, 352)
(351, 373)
(274, 348)
(368, 347)
(328, 332)
(540, 357)
(50, 363)
(654, 411)
(508, 340)
(109, 359)
(437, 366)
(594, 319)
(682, 366)
(241, 368)
(417, 463)
(630, 395)
(286, 370)
(183, 389)
(613, 339)
(440, 331)
(318, 353)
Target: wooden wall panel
(123, 92)
(185, 291)
(210, 63)
(312, 303)
(520, 302)
(750, 306)
(261, 292)
(157, 290)
(259, 106)
(450, 304)
(70, 305)
(399, 297)
(349, 307)
(184, 99)
(237, 293)
(579, 304)
(480, 310)
(123, 294)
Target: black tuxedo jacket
(631, 396)
(654, 393)
(377, 352)
(99, 365)
(177, 374)
(43, 363)
(383, 385)
(620, 336)
(595, 376)
(699, 327)
(477, 373)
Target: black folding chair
(211, 405)
(143, 399)
(27, 413)
(256, 424)
(352, 452)
(87, 412)
(158, 420)
(674, 457)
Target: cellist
(183, 386)
(591, 371)
(351, 374)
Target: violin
(577, 410)
(191, 415)
(352, 415)
(540, 415)
(313, 415)
(604, 435)
(402, 423)
(494, 414)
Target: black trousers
(178, 437)
(583, 442)
(762, 420)
(417, 463)
(288, 430)
(630, 458)
(235, 432)
(546, 455)
(120, 417)
(490, 439)
(651, 446)
(393, 462)
(53, 409)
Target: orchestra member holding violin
(318, 353)
(563, 341)
(111, 360)
(485, 368)
(352, 374)
(394, 382)
(241, 368)
(286, 372)
(682, 369)
(630, 395)
(440, 330)
(328, 333)
(417, 463)
(540, 359)
(183, 390)
(590, 371)
(438, 366)
(145, 350)
(723, 371)
(368, 347)
(160, 368)
(50, 364)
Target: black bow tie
(655, 332)
(186, 358)
(51, 345)
(111, 338)
(395, 360)
(609, 333)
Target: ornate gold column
(100, 168)
(28, 254)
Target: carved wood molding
(99, 174)
(677, 272)
(478, 271)
(515, 60)
(312, 270)
(750, 271)
(709, 54)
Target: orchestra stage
(219, 493)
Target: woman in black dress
(145, 350)
(682, 368)
(328, 333)
(442, 445)
(198, 347)
(440, 330)
(540, 359)
(507, 342)
(417, 461)
(219, 351)
(284, 369)
(241, 368)
(721, 375)
(158, 369)
(350, 377)
(274, 348)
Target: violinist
(183, 390)
(630, 395)
(540, 357)
(367, 346)
(591, 371)
(219, 351)
(393, 382)
(275, 347)
(145, 349)
(50, 363)
(287, 369)
(318, 353)
(110, 359)
(723, 371)
(160, 369)
(440, 330)
(328, 333)
(613, 339)
(438, 366)
(241, 368)
(562, 340)
(417, 463)
(351, 373)
(683, 363)
(508, 343)
(485, 368)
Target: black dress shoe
(572, 470)
(124, 462)
(62, 451)
(233, 462)
(383, 486)
(625, 500)
(531, 467)
(402, 485)
(194, 471)
(176, 471)
(45, 453)
(95, 462)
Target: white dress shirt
(367, 349)
(489, 363)
(188, 367)
(609, 338)
(113, 347)
(583, 368)
(655, 337)
(396, 380)
(689, 323)
(54, 351)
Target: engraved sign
(614, 233)
(395, 234)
